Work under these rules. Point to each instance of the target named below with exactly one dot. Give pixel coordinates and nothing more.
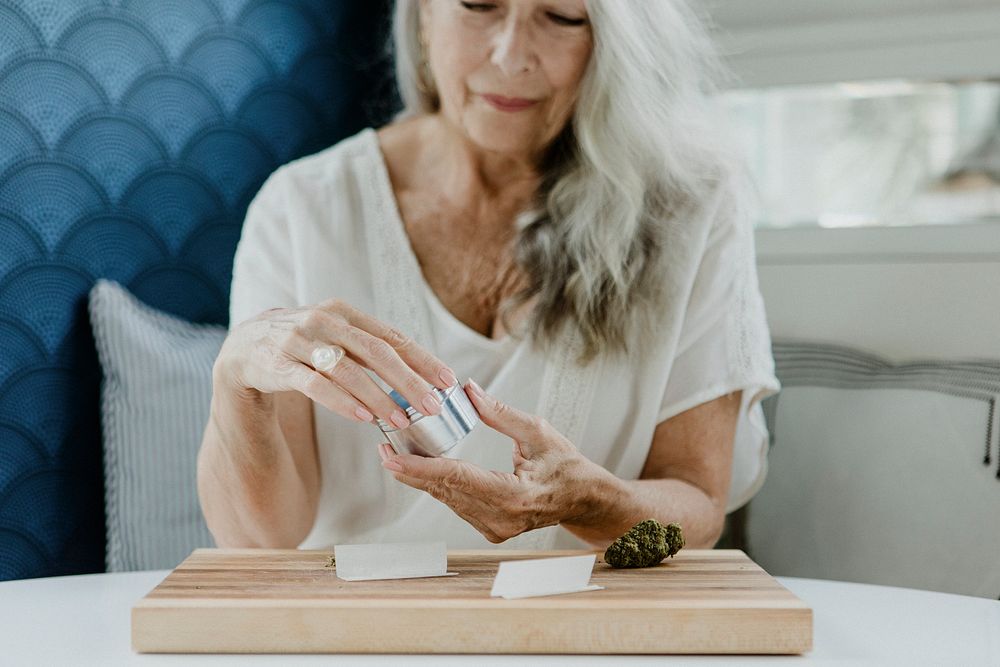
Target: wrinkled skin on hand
(645, 544)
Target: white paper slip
(398, 560)
(544, 576)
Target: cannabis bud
(645, 544)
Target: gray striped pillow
(155, 400)
(881, 472)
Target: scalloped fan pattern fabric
(133, 134)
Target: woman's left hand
(544, 489)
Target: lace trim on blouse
(567, 388)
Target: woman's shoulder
(326, 167)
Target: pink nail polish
(448, 377)
(392, 465)
(432, 405)
(399, 419)
(476, 389)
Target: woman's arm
(685, 480)
(258, 473)
(258, 469)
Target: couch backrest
(885, 458)
(132, 138)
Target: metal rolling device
(432, 435)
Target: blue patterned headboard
(133, 134)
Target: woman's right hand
(271, 353)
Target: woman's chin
(503, 138)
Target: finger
(423, 362)
(501, 417)
(490, 485)
(446, 495)
(323, 391)
(471, 509)
(458, 475)
(383, 358)
(374, 353)
(351, 378)
(519, 459)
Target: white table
(85, 619)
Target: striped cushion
(155, 399)
(881, 472)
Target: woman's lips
(509, 103)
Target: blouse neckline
(567, 389)
(399, 228)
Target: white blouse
(327, 225)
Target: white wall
(903, 292)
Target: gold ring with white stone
(325, 357)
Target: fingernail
(476, 389)
(448, 377)
(399, 419)
(392, 465)
(363, 414)
(431, 404)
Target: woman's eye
(481, 7)
(565, 20)
(477, 6)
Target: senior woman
(555, 215)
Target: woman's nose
(513, 51)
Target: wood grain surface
(291, 601)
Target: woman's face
(507, 71)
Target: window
(872, 152)
(867, 113)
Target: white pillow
(155, 399)
(880, 473)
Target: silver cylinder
(432, 435)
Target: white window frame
(786, 42)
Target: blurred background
(133, 134)
(867, 113)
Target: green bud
(645, 544)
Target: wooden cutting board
(290, 601)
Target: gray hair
(647, 146)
